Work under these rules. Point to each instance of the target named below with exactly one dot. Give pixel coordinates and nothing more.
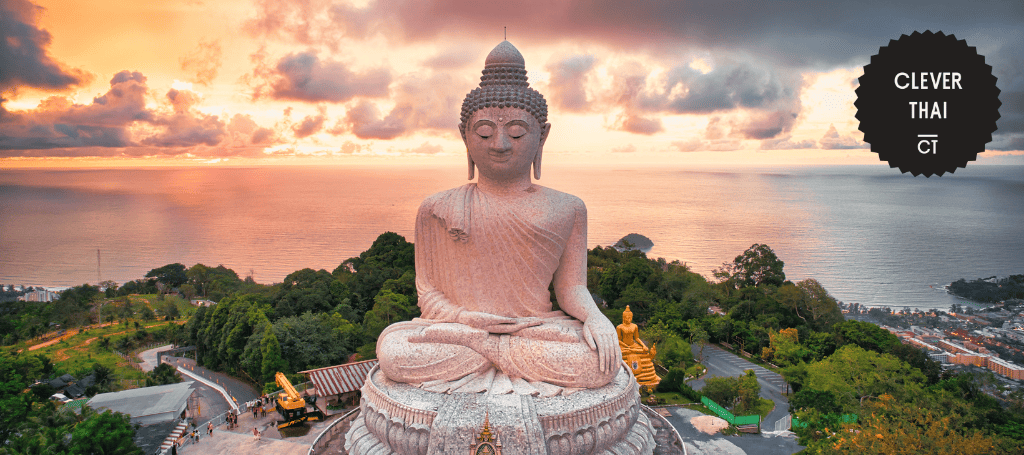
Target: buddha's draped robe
(475, 252)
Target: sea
(869, 234)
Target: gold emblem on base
(486, 443)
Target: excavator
(292, 406)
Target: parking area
(721, 363)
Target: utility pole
(98, 281)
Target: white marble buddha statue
(486, 253)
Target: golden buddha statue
(635, 352)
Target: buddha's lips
(500, 156)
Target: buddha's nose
(501, 142)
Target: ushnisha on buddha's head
(504, 121)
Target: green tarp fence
(747, 420)
(728, 416)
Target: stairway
(178, 432)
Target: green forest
(318, 318)
(990, 290)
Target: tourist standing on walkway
(254, 411)
(209, 428)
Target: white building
(147, 405)
(39, 295)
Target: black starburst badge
(927, 103)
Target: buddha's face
(627, 318)
(503, 142)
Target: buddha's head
(504, 121)
(627, 316)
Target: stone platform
(398, 418)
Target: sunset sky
(91, 83)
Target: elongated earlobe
(472, 169)
(536, 165)
(544, 130)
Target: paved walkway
(224, 442)
(240, 440)
(721, 363)
(149, 357)
(239, 391)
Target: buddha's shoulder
(561, 199)
(446, 196)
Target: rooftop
(145, 401)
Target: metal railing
(654, 414)
(323, 440)
(784, 423)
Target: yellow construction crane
(292, 406)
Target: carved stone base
(397, 418)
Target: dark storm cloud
(1007, 142)
(23, 57)
(57, 122)
(304, 77)
(793, 33)
(783, 38)
(568, 82)
(766, 125)
(1008, 66)
(61, 128)
(729, 86)
(769, 98)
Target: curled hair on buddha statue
(504, 84)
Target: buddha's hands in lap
(471, 329)
(495, 324)
(600, 335)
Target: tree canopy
(172, 275)
(759, 265)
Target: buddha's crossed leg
(416, 352)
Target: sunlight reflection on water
(869, 234)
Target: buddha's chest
(541, 212)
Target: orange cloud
(119, 123)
